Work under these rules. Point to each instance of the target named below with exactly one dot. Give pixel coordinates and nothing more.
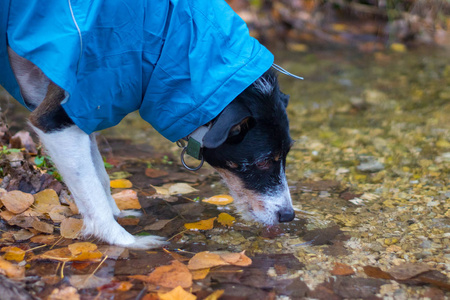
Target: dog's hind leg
(104, 179)
(70, 149)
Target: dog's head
(248, 144)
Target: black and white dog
(247, 143)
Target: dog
(194, 69)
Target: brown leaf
(171, 276)
(237, 259)
(87, 281)
(22, 235)
(42, 226)
(17, 201)
(376, 272)
(157, 225)
(127, 199)
(22, 139)
(70, 228)
(59, 213)
(342, 269)
(128, 221)
(408, 270)
(11, 270)
(153, 173)
(43, 239)
(205, 260)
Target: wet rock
(322, 236)
(348, 287)
(370, 164)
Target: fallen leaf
(219, 200)
(176, 255)
(13, 253)
(376, 272)
(67, 293)
(397, 47)
(127, 199)
(201, 225)
(128, 221)
(200, 274)
(78, 248)
(177, 293)
(42, 226)
(124, 286)
(59, 213)
(408, 270)
(88, 281)
(153, 173)
(17, 201)
(47, 196)
(11, 270)
(22, 235)
(237, 259)
(70, 228)
(342, 269)
(226, 219)
(171, 276)
(215, 295)
(6, 215)
(181, 188)
(43, 239)
(120, 175)
(157, 225)
(205, 260)
(120, 184)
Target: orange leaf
(78, 248)
(120, 184)
(70, 228)
(17, 201)
(226, 219)
(237, 259)
(201, 225)
(13, 253)
(219, 200)
(124, 286)
(127, 199)
(171, 276)
(205, 260)
(177, 293)
(11, 270)
(154, 173)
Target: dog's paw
(129, 213)
(146, 242)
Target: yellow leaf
(120, 184)
(219, 200)
(127, 199)
(199, 274)
(177, 293)
(339, 27)
(215, 295)
(13, 253)
(78, 248)
(201, 225)
(226, 219)
(297, 47)
(397, 47)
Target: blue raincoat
(179, 62)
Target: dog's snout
(286, 215)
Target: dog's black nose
(286, 215)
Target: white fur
(77, 159)
(264, 86)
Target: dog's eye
(264, 164)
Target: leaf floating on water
(119, 175)
(68, 292)
(157, 225)
(17, 201)
(236, 259)
(171, 276)
(127, 199)
(177, 293)
(120, 184)
(205, 260)
(226, 219)
(13, 253)
(181, 188)
(88, 281)
(219, 200)
(201, 225)
(200, 274)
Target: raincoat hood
(179, 62)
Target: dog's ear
(232, 123)
(284, 98)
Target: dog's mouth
(270, 209)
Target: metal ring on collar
(186, 166)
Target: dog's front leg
(71, 151)
(104, 179)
